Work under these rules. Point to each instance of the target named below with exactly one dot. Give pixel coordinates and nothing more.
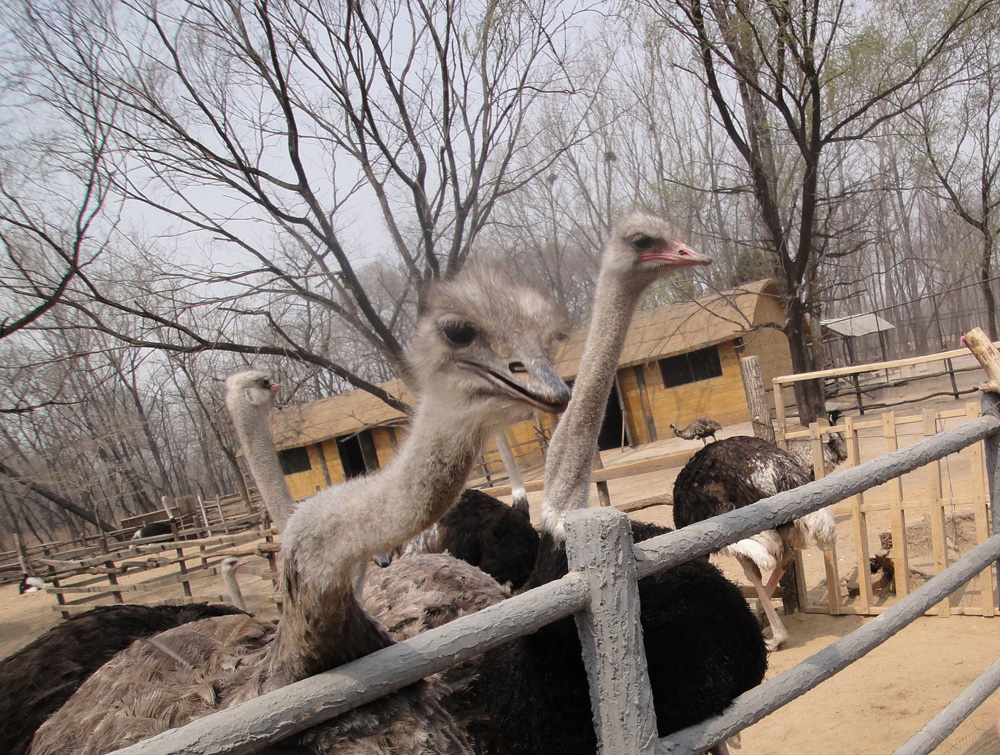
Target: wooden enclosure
(185, 565)
(922, 521)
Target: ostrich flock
(482, 357)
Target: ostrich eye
(459, 333)
(642, 242)
(264, 383)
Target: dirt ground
(872, 707)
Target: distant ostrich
(483, 349)
(703, 429)
(153, 529)
(834, 449)
(248, 406)
(37, 679)
(736, 472)
(229, 566)
(31, 584)
(702, 642)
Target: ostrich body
(736, 472)
(703, 429)
(426, 590)
(31, 584)
(37, 679)
(153, 529)
(484, 532)
(702, 642)
(834, 449)
(483, 349)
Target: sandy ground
(872, 707)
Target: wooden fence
(199, 519)
(601, 590)
(95, 580)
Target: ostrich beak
(676, 254)
(382, 560)
(532, 380)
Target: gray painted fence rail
(601, 592)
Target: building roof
(313, 422)
(680, 327)
(857, 325)
(654, 334)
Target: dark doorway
(611, 427)
(357, 454)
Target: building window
(293, 460)
(691, 367)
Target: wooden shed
(325, 442)
(680, 362)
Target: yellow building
(679, 362)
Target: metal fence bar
(944, 723)
(712, 534)
(752, 706)
(599, 548)
(297, 707)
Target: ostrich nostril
(516, 367)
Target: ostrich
(517, 490)
(702, 642)
(484, 532)
(153, 529)
(37, 679)
(483, 349)
(31, 584)
(701, 428)
(229, 566)
(736, 472)
(248, 403)
(834, 449)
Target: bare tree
(282, 134)
(789, 80)
(960, 136)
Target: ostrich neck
(333, 531)
(571, 453)
(518, 492)
(233, 586)
(261, 455)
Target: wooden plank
(858, 519)
(897, 519)
(938, 544)
(872, 367)
(645, 466)
(977, 469)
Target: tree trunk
(808, 394)
(987, 286)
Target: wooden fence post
(990, 404)
(599, 547)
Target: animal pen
(601, 591)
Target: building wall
(326, 468)
(771, 348)
(721, 398)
